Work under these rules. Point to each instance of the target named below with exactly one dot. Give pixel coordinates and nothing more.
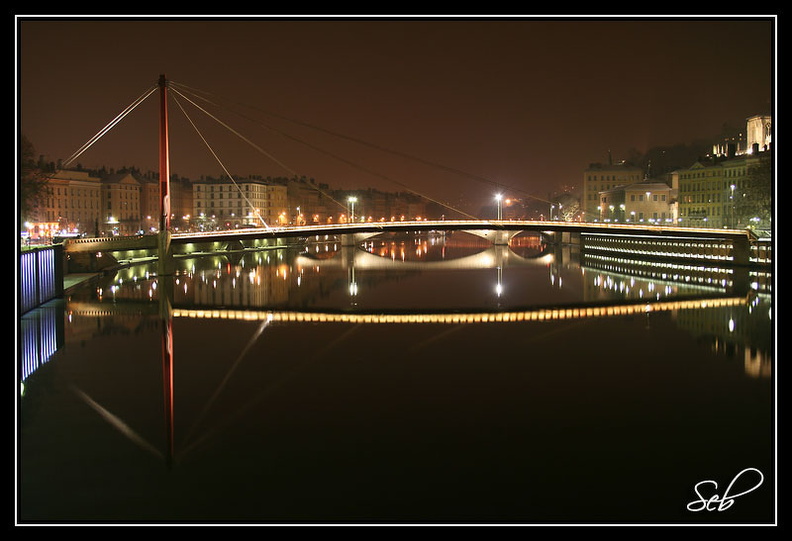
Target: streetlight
(352, 200)
(498, 198)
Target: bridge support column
(165, 262)
(234, 246)
(567, 237)
(552, 237)
(498, 237)
(741, 251)
(354, 239)
(741, 281)
(502, 238)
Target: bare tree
(753, 201)
(32, 180)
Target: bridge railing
(40, 276)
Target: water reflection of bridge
(288, 277)
(238, 298)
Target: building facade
(733, 193)
(149, 204)
(310, 203)
(74, 201)
(759, 133)
(702, 198)
(730, 188)
(227, 204)
(120, 204)
(734, 187)
(601, 178)
(640, 202)
(181, 191)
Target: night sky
(448, 107)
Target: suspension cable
(152, 89)
(352, 164)
(290, 170)
(109, 126)
(270, 156)
(390, 151)
(250, 205)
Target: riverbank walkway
(73, 280)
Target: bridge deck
(149, 241)
(496, 231)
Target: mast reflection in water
(412, 379)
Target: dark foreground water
(407, 381)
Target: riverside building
(227, 204)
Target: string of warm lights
(540, 314)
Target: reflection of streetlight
(352, 284)
(352, 200)
(498, 198)
(499, 285)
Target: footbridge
(724, 246)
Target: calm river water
(430, 379)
